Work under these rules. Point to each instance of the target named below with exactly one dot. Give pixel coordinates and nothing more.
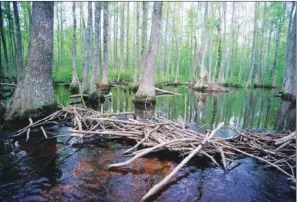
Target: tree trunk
(35, 89)
(260, 61)
(3, 41)
(146, 90)
(136, 57)
(194, 56)
(98, 57)
(74, 73)
(203, 74)
(122, 37)
(127, 38)
(289, 82)
(19, 50)
(253, 58)
(86, 64)
(105, 43)
(165, 55)
(219, 52)
(58, 35)
(144, 38)
(279, 31)
(221, 77)
(98, 8)
(94, 54)
(115, 36)
(11, 40)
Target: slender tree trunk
(279, 31)
(11, 41)
(105, 43)
(268, 56)
(115, 36)
(127, 38)
(194, 66)
(35, 89)
(74, 81)
(58, 35)
(230, 59)
(221, 77)
(179, 47)
(253, 59)
(61, 33)
(136, 57)
(203, 74)
(260, 61)
(98, 63)
(144, 37)
(219, 52)
(3, 41)
(289, 82)
(146, 90)
(288, 77)
(86, 64)
(165, 55)
(122, 38)
(19, 50)
(94, 59)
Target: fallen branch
(161, 184)
(165, 91)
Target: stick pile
(275, 150)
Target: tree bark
(260, 61)
(35, 89)
(122, 37)
(221, 77)
(115, 36)
(253, 59)
(219, 50)
(136, 57)
(127, 38)
(273, 73)
(105, 43)
(98, 57)
(19, 50)
(144, 38)
(11, 38)
(3, 41)
(203, 74)
(74, 72)
(289, 82)
(58, 35)
(86, 64)
(146, 88)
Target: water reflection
(144, 111)
(245, 108)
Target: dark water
(43, 171)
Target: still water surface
(40, 171)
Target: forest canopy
(243, 42)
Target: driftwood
(8, 84)
(166, 92)
(210, 87)
(275, 150)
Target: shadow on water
(41, 171)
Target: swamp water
(42, 171)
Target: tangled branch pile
(276, 150)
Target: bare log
(161, 184)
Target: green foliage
(126, 76)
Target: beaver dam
(277, 151)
